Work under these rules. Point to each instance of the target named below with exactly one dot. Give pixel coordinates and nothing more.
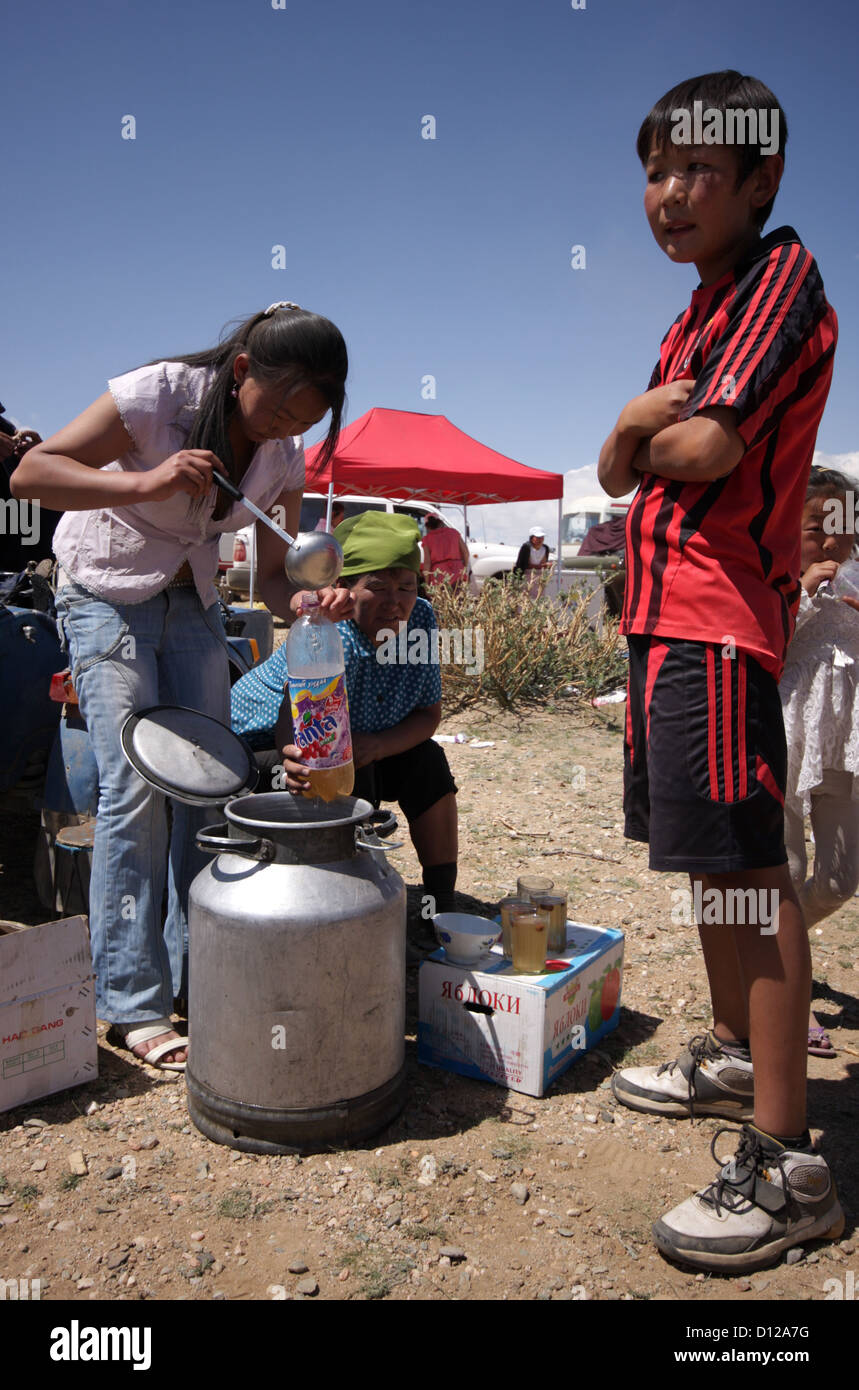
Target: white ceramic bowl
(466, 939)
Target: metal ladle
(313, 558)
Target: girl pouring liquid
(137, 606)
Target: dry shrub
(533, 648)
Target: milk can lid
(188, 755)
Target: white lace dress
(820, 696)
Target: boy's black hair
(717, 91)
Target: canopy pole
(330, 505)
(465, 521)
(560, 554)
(253, 556)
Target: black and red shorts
(705, 760)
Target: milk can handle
(378, 824)
(259, 849)
(382, 822)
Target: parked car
(490, 560)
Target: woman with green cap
(393, 682)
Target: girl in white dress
(820, 699)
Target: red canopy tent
(404, 454)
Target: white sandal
(143, 1032)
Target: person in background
(819, 692)
(445, 554)
(338, 511)
(533, 559)
(609, 538)
(19, 544)
(137, 605)
(394, 708)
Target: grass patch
(375, 1277)
(69, 1181)
(383, 1177)
(240, 1205)
(531, 648)
(425, 1231)
(640, 1054)
(511, 1146)
(237, 1205)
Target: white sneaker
(703, 1080)
(765, 1200)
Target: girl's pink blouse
(128, 554)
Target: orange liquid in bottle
(330, 782)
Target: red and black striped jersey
(719, 561)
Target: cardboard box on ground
(47, 1010)
(520, 1031)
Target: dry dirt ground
(162, 1214)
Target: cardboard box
(47, 1010)
(520, 1031)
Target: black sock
(439, 882)
(797, 1143)
(738, 1048)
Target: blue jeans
(125, 657)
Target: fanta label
(320, 718)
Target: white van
(235, 546)
(579, 516)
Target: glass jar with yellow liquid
(556, 906)
(530, 932)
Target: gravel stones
(519, 1192)
(427, 1170)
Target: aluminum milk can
(297, 935)
(296, 977)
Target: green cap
(373, 541)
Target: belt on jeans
(65, 578)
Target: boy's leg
(727, 992)
(772, 962)
(775, 1192)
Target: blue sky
(301, 127)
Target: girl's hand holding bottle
(821, 572)
(824, 572)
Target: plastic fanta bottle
(320, 707)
